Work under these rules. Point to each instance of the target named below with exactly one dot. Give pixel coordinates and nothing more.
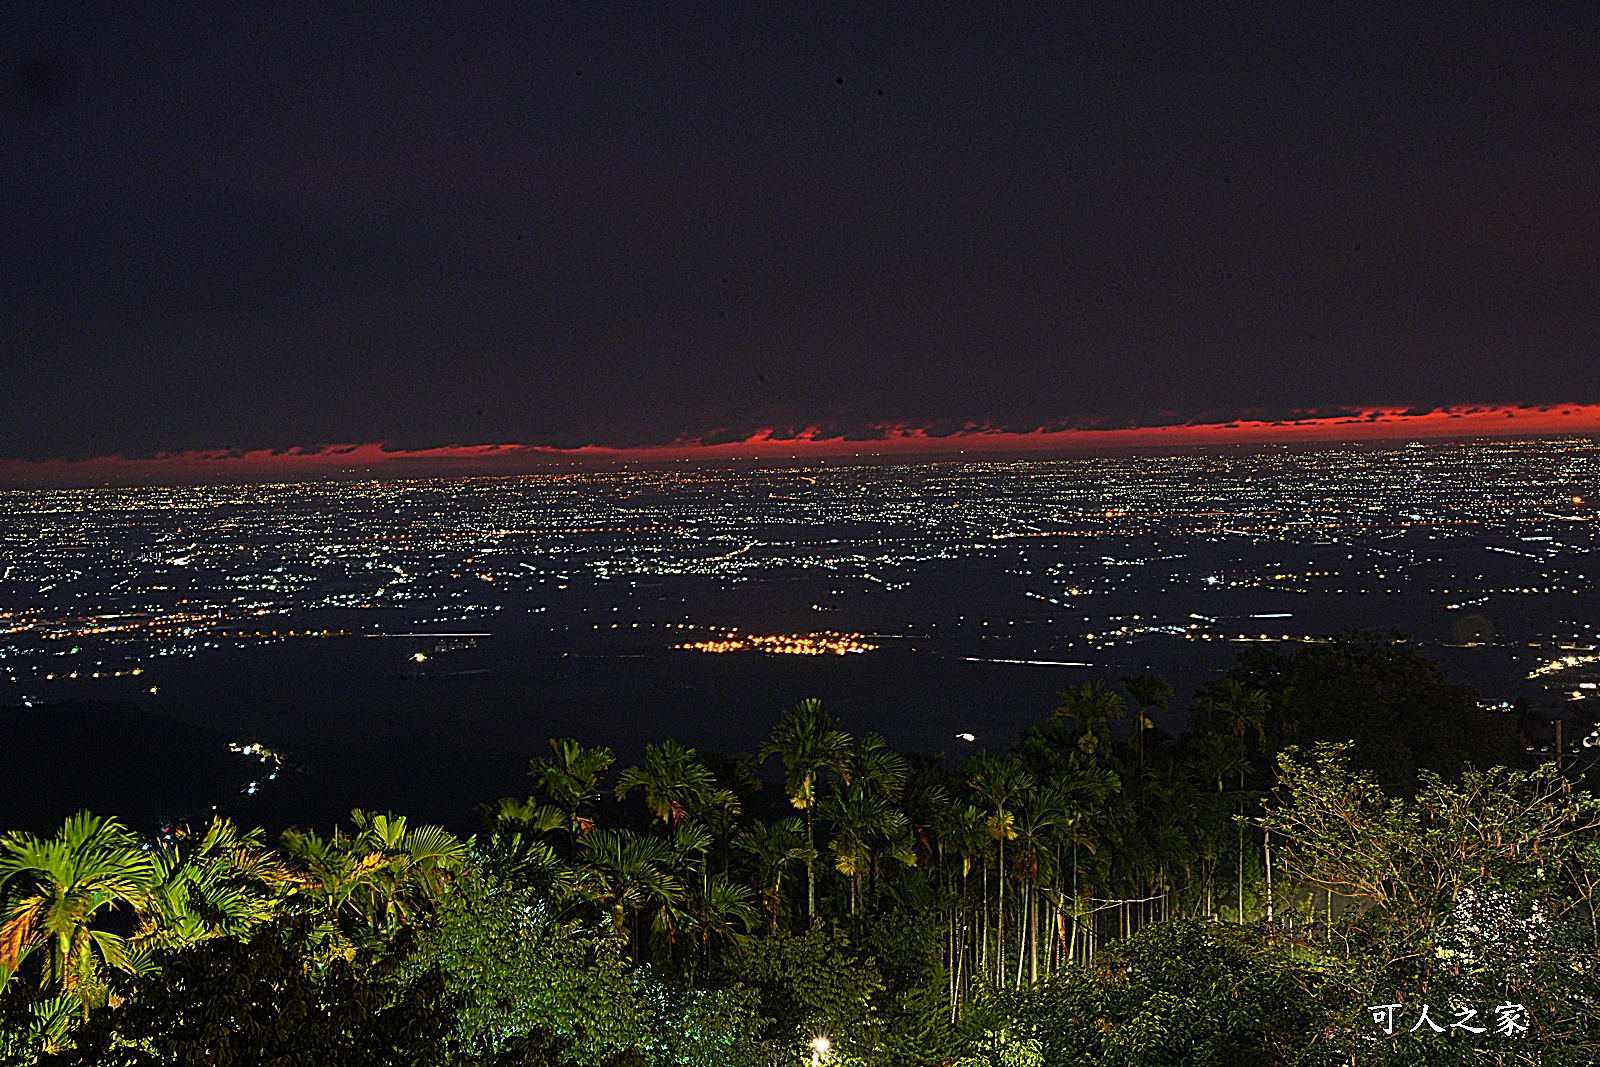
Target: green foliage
(709, 1028)
(1477, 891)
(1003, 1049)
(33, 1023)
(1410, 860)
(917, 1027)
(270, 1000)
(62, 887)
(384, 877)
(219, 883)
(1186, 992)
(814, 983)
(518, 978)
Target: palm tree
(1244, 709)
(1041, 811)
(772, 849)
(1092, 706)
(1073, 830)
(808, 742)
(1085, 785)
(867, 829)
(91, 868)
(530, 816)
(1219, 756)
(675, 784)
(964, 832)
(222, 883)
(519, 858)
(384, 876)
(572, 777)
(926, 802)
(48, 1029)
(723, 913)
(423, 856)
(688, 846)
(1162, 802)
(999, 782)
(875, 766)
(627, 873)
(1148, 691)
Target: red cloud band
(377, 460)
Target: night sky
(627, 225)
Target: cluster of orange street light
(827, 643)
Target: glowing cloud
(380, 461)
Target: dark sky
(624, 224)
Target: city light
(822, 644)
(1026, 565)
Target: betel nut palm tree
(1149, 691)
(1243, 709)
(571, 778)
(868, 825)
(772, 850)
(867, 829)
(808, 742)
(676, 785)
(62, 886)
(222, 882)
(1038, 816)
(625, 874)
(1000, 782)
(384, 876)
(1092, 706)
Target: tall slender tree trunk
(1025, 931)
(1077, 904)
(1000, 911)
(964, 937)
(1241, 846)
(811, 873)
(1266, 859)
(950, 940)
(1033, 941)
(983, 930)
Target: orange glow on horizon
(378, 460)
